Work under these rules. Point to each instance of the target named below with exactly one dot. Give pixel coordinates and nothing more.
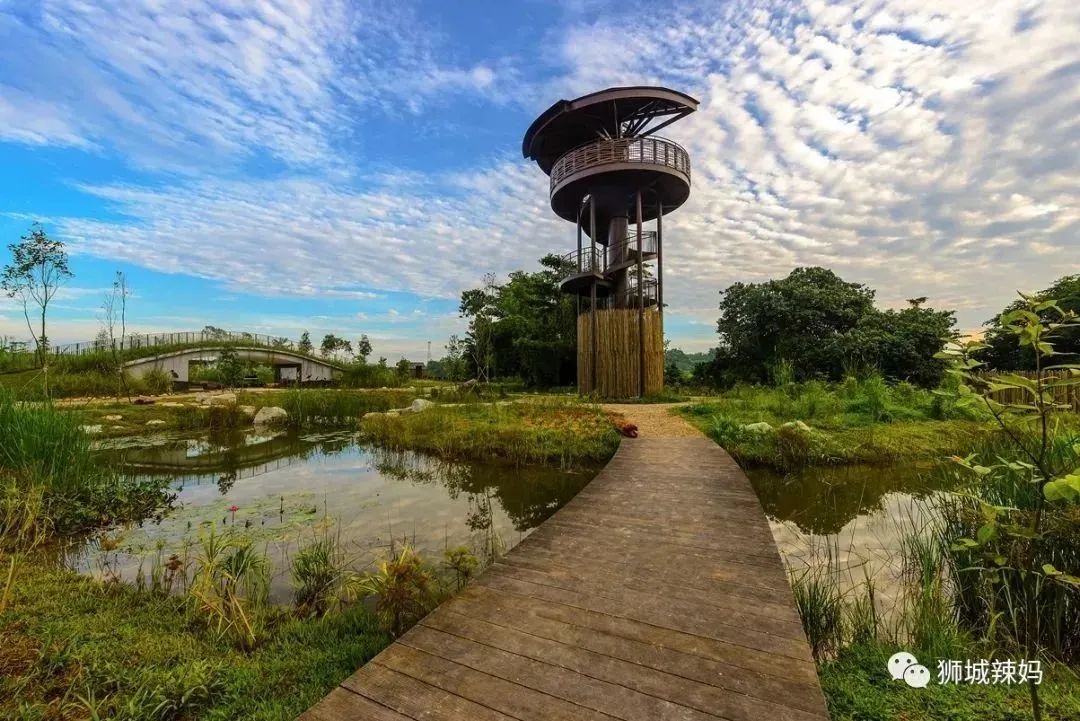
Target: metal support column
(640, 300)
(592, 295)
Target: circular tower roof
(625, 112)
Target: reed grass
(50, 482)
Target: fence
(618, 354)
(149, 340)
(1063, 395)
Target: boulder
(115, 417)
(761, 428)
(798, 426)
(155, 422)
(419, 405)
(248, 411)
(271, 416)
(172, 404)
(372, 414)
(143, 401)
(221, 399)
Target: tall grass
(308, 407)
(566, 433)
(991, 594)
(322, 576)
(51, 483)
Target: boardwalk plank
(656, 594)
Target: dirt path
(654, 420)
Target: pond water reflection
(286, 489)
(852, 516)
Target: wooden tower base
(618, 353)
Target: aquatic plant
(462, 562)
(404, 590)
(821, 607)
(230, 586)
(322, 577)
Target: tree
(1003, 352)
(823, 326)
(114, 313)
(454, 363)
(331, 345)
(304, 345)
(230, 366)
(403, 367)
(523, 328)
(672, 375)
(39, 267)
(363, 348)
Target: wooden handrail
(648, 150)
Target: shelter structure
(615, 179)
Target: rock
(799, 426)
(394, 412)
(419, 405)
(114, 418)
(468, 385)
(91, 430)
(271, 416)
(221, 399)
(172, 404)
(371, 414)
(155, 422)
(248, 411)
(143, 401)
(760, 428)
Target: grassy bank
(861, 420)
(71, 647)
(858, 688)
(548, 431)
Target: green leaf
(1063, 490)
(1049, 570)
(986, 533)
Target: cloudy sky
(280, 165)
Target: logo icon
(899, 662)
(903, 665)
(917, 676)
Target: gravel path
(654, 420)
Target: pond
(852, 516)
(285, 490)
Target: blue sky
(352, 166)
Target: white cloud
(923, 148)
(174, 85)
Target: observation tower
(615, 179)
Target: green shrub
(156, 381)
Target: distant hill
(686, 361)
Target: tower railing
(648, 292)
(649, 150)
(598, 259)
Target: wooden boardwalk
(657, 593)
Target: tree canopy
(523, 328)
(1004, 353)
(823, 326)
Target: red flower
(234, 509)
